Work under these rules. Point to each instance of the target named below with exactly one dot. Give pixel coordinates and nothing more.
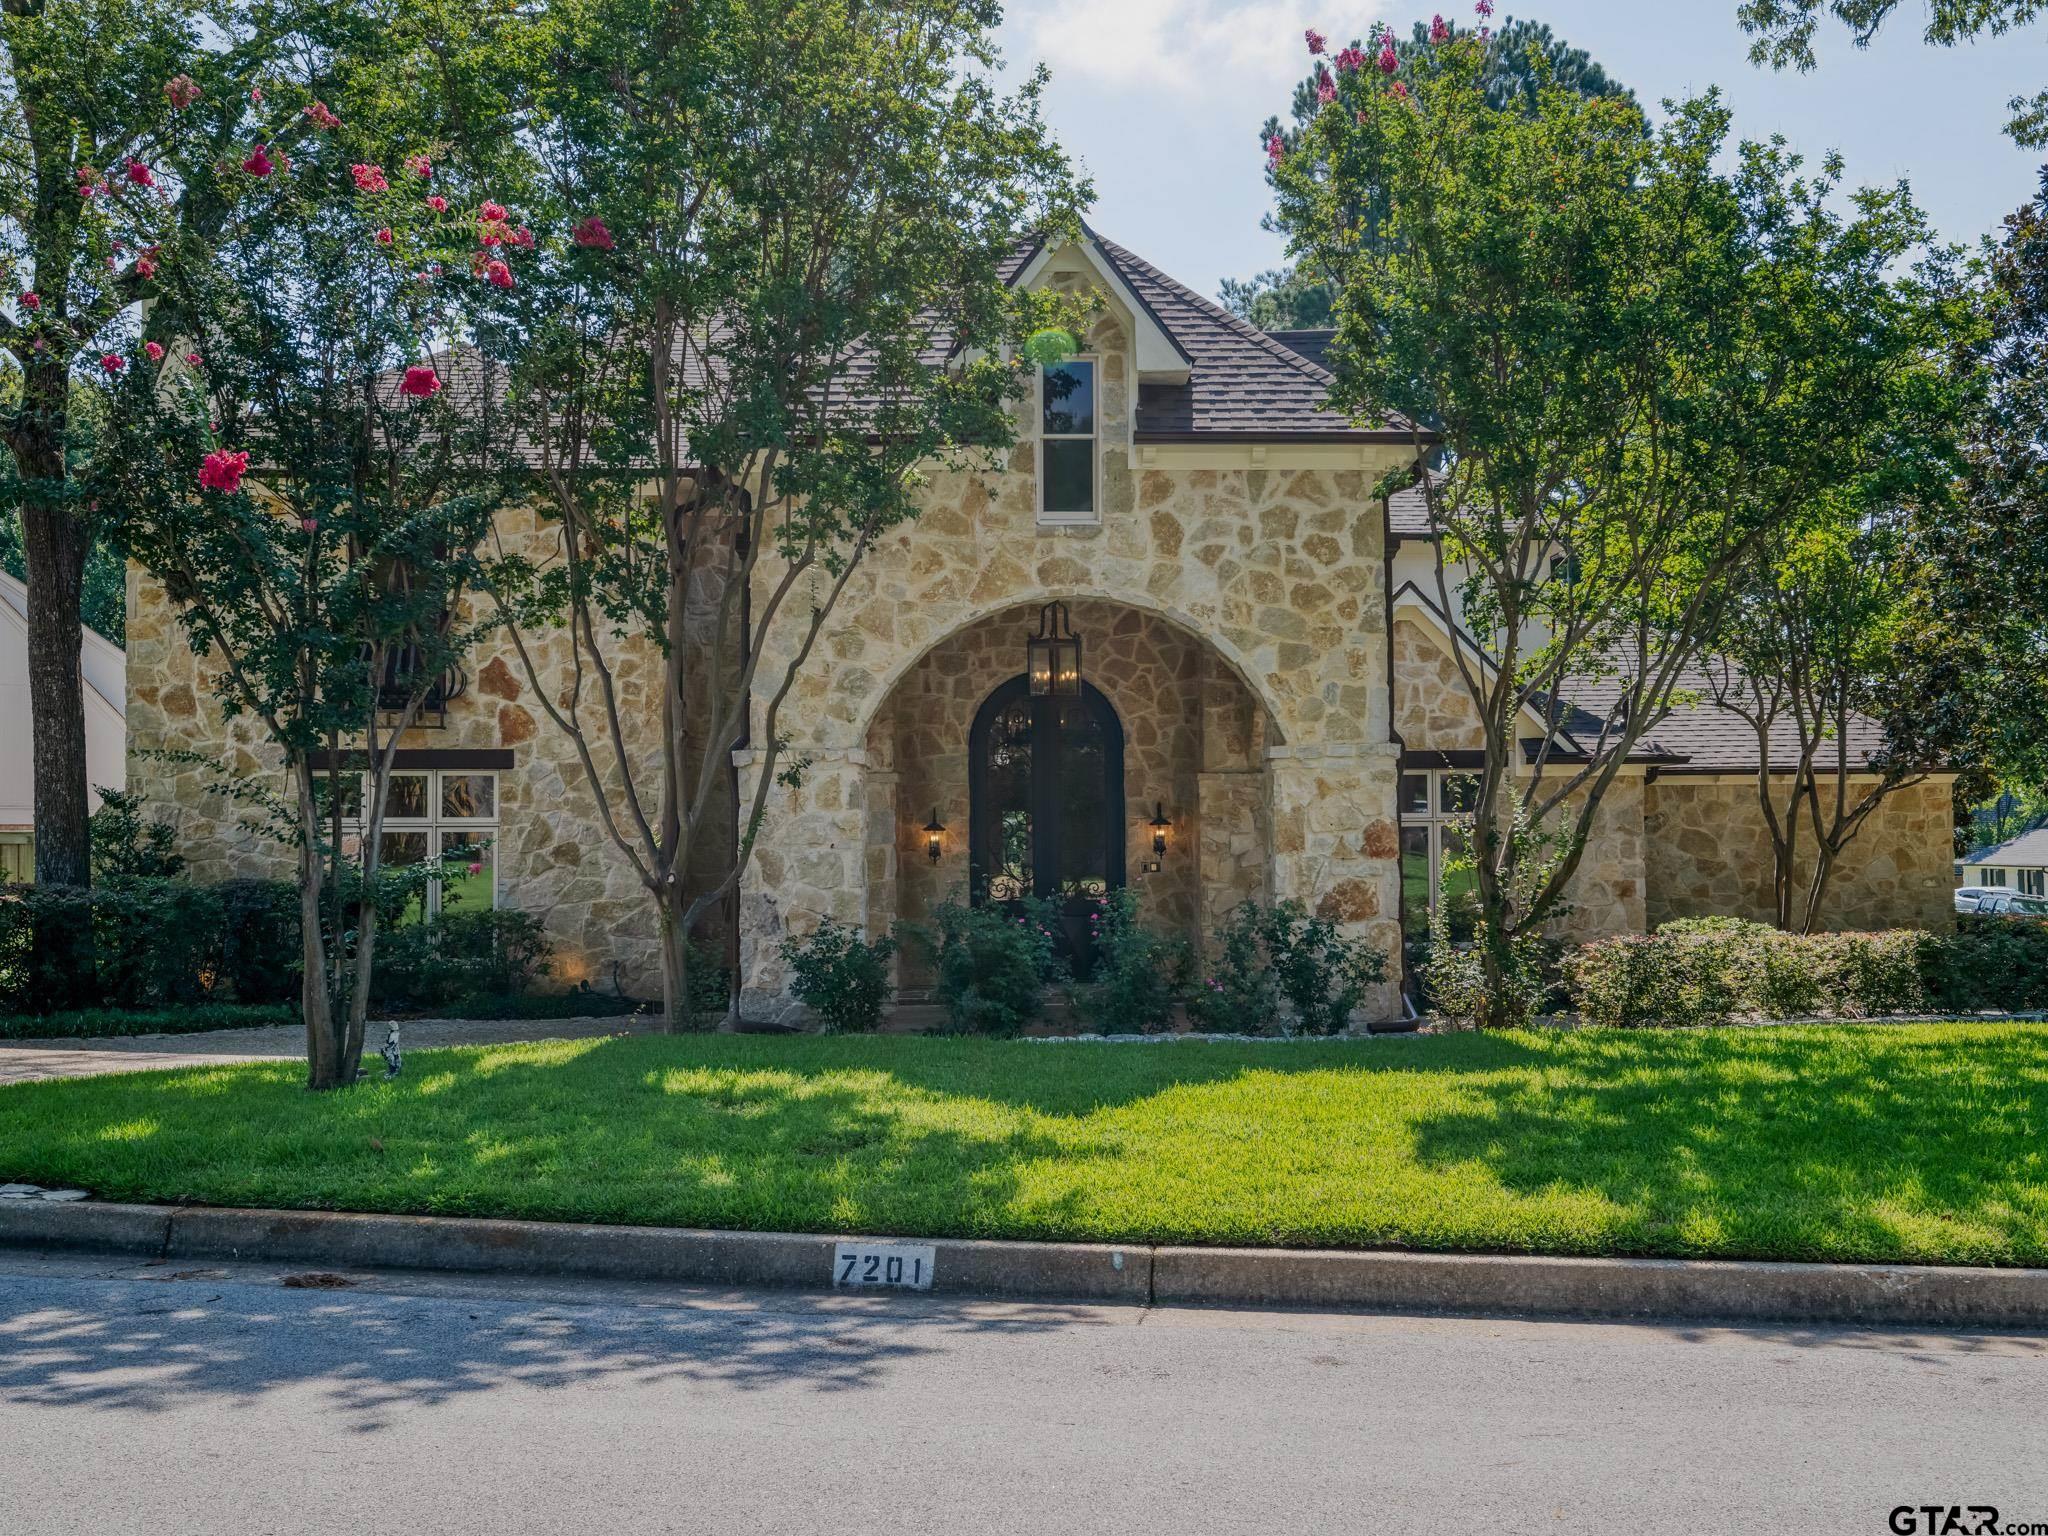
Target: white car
(1990, 901)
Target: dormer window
(1068, 425)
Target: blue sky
(1161, 100)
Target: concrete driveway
(24, 1061)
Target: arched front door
(1046, 804)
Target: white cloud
(1186, 47)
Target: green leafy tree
(775, 299)
(326, 593)
(1784, 32)
(1520, 56)
(1639, 366)
(96, 148)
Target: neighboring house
(104, 667)
(1265, 684)
(2020, 865)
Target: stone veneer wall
(1709, 855)
(553, 856)
(1278, 569)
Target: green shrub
(1265, 956)
(126, 845)
(1139, 975)
(459, 954)
(106, 1023)
(142, 944)
(992, 966)
(1988, 965)
(1718, 970)
(840, 976)
(260, 959)
(1240, 994)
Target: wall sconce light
(1159, 826)
(934, 837)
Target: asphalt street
(137, 1398)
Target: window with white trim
(1069, 432)
(447, 816)
(2034, 882)
(1436, 820)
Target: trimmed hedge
(146, 945)
(104, 1023)
(1724, 970)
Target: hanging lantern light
(934, 837)
(1053, 655)
(1159, 826)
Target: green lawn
(1915, 1142)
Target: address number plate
(897, 1266)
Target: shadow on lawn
(201, 1338)
(1774, 1141)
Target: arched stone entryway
(1194, 743)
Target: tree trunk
(350, 1053)
(676, 1015)
(315, 1001)
(55, 544)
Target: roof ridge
(1216, 312)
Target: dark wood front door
(1046, 793)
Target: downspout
(1400, 750)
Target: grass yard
(1907, 1142)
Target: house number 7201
(898, 1266)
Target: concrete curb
(1513, 1285)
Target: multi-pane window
(445, 816)
(1992, 877)
(2034, 882)
(1436, 818)
(1068, 429)
(17, 857)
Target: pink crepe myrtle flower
(491, 213)
(1483, 7)
(145, 267)
(181, 91)
(522, 238)
(498, 274)
(420, 166)
(1276, 151)
(420, 382)
(259, 162)
(1326, 88)
(592, 235)
(31, 301)
(438, 203)
(476, 867)
(1400, 90)
(140, 174)
(369, 178)
(490, 233)
(256, 95)
(155, 351)
(384, 236)
(113, 362)
(1349, 59)
(309, 525)
(1315, 40)
(192, 358)
(222, 471)
(321, 116)
(1389, 60)
(1439, 30)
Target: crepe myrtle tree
(780, 301)
(308, 470)
(1636, 366)
(1520, 57)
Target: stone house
(1265, 704)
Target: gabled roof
(1243, 385)
(2029, 850)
